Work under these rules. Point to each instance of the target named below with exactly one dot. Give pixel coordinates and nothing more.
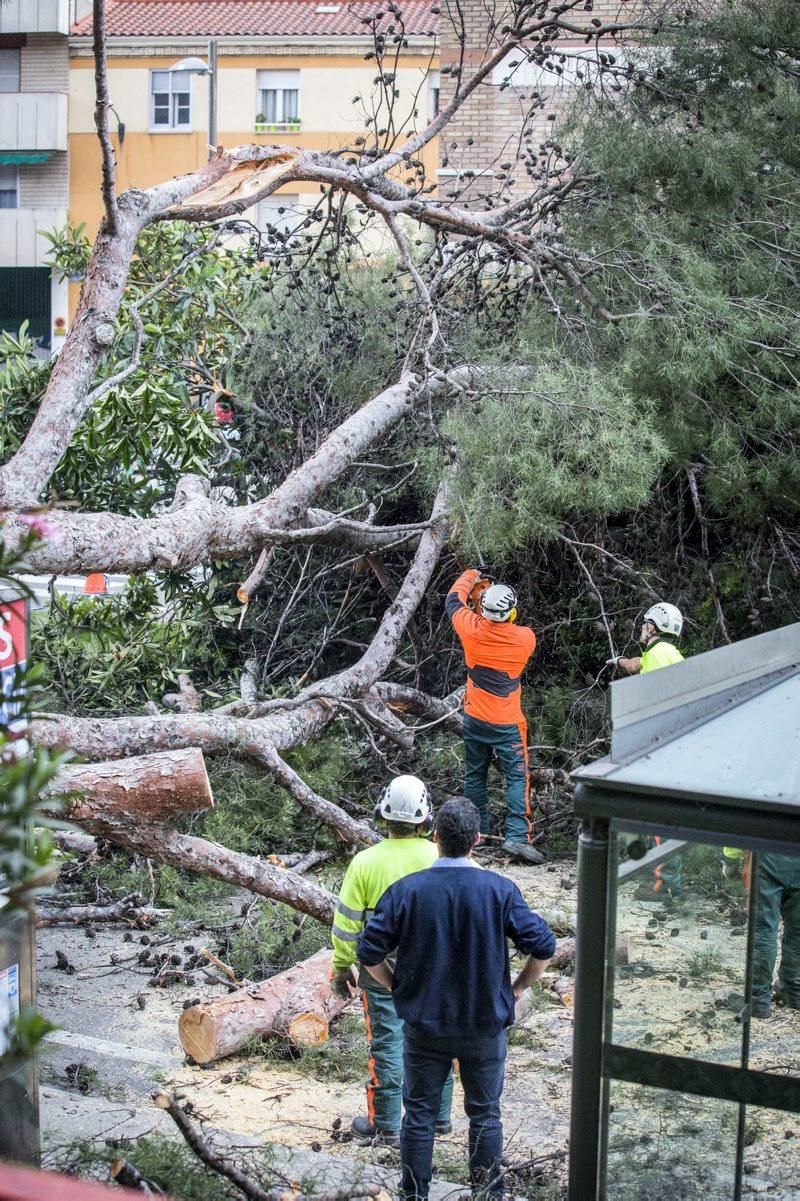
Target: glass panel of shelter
(677, 971)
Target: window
(434, 83)
(9, 69)
(278, 100)
(170, 100)
(9, 198)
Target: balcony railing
(33, 121)
(278, 126)
(21, 243)
(34, 16)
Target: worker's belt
(489, 679)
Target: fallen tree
(199, 526)
(134, 802)
(296, 1005)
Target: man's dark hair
(458, 825)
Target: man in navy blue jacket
(452, 987)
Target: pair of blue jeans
(427, 1063)
(778, 898)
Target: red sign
(13, 653)
(13, 644)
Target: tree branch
(101, 108)
(249, 1186)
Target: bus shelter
(680, 1088)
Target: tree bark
(129, 909)
(153, 790)
(74, 843)
(297, 1005)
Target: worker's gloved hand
(477, 590)
(343, 983)
(613, 662)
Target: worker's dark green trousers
(777, 897)
(385, 1087)
(508, 744)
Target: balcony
(34, 16)
(33, 121)
(21, 244)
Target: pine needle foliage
(693, 226)
(571, 440)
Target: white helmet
(666, 618)
(498, 601)
(406, 799)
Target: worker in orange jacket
(496, 652)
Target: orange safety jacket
(496, 654)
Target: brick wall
(45, 185)
(494, 125)
(44, 64)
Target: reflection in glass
(681, 926)
(669, 1145)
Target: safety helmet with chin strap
(405, 799)
(499, 603)
(666, 618)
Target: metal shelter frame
(707, 750)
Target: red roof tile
(254, 18)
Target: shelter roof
(723, 725)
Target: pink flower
(37, 524)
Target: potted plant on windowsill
(261, 123)
(293, 126)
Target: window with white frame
(9, 187)
(434, 83)
(170, 100)
(9, 69)
(278, 99)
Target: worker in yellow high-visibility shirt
(661, 623)
(405, 810)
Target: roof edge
(650, 710)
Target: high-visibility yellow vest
(660, 654)
(369, 875)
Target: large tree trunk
(145, 789)
(297, 1005)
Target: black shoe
(523, 851)
(365, 1132)
(760, 1009)
(443, 1127)
(787, 999)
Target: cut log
(145, 789)
(132, 802)
(562, 987)
(297, 1005)
(565, 952)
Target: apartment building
(496, 123)
(34, 176)
(287, 72)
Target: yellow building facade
(311, 90)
